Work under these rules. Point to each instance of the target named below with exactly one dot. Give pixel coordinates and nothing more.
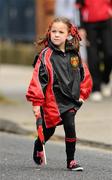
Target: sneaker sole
(76, 169)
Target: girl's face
(59, 34)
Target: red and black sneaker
(38, 157)
(38, 154)
(74, 166)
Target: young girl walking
(59, 85)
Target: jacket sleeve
(86, 84)
(38, 83)
(110, 9)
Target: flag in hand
(40, 130)
(41, 135)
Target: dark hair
(75, 37)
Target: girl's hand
(82, 33)
(36, 111)
(81, 100)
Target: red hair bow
(74, 32)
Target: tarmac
(93, 120)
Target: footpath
(93, 120)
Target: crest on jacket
(74, 61)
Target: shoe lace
(72, 163)
(40, 154)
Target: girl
(59, 85)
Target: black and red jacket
(56, 85)
(95, 10)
